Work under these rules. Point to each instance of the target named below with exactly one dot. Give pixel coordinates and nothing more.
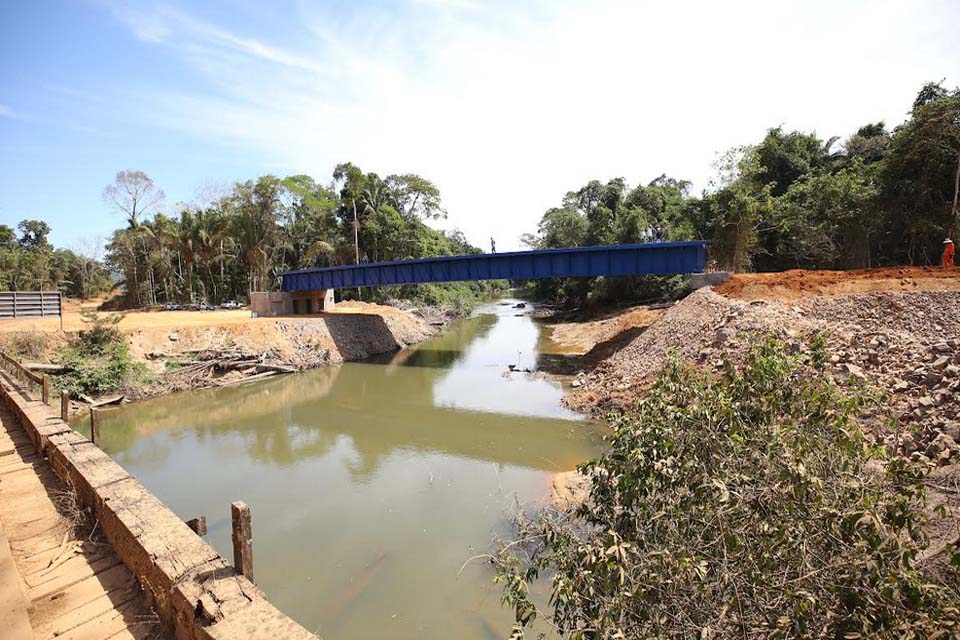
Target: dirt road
(798, 283)
(137, 320)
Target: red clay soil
(798, 283)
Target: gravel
(906, 344)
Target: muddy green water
(370, 483)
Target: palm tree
(187, 255)
(255, 226)
(208, 231)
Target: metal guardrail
(30, 304)
(24, 375)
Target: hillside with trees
(791, 201)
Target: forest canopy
(792, 200)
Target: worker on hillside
(948, 250)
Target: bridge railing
(17, 369)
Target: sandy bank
(195, 349)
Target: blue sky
(505, 105)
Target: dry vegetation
(796, 478)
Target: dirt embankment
(897, 331)
(193, 349)
(798, 283)
(901, 335)
(582, 337)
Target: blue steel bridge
(662, 258)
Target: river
(371, 483)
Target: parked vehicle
(172, 306)
(231, 304)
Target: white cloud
(508, 106)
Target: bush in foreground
(744, 503)
(100, 361)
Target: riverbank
(894, 336)
(811, 411)
(182, 350)
(901, 336)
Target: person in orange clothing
(948, 250)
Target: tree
(937, 121)
(33, 234)
(7, 237)
(783, 158)
(133, 194)
(921, 177)
(352, 182)
(414, 197)
(869, 143)
(255, 208)
(86, 270)
(831, 220)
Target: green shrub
(100, 361)
(738, 504)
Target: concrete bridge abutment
(267, 304)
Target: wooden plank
(82, 602)
(54, 607)
(51, 523)
(71, 573)
(14, 604)
(106, 625)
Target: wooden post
(94, 426)
(242, 539)
(45, 389)
(198, 525)
(64, 405)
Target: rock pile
(906, 344)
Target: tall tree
(33, 234)
(133, 194)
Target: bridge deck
(665, 258)
(71, 583)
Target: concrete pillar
(64, 405)
(328, 300)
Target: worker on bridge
(948, 251)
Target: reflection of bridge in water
(384, 407)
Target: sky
(505, 106)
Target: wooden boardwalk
(58, 576)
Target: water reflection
(372, 482)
